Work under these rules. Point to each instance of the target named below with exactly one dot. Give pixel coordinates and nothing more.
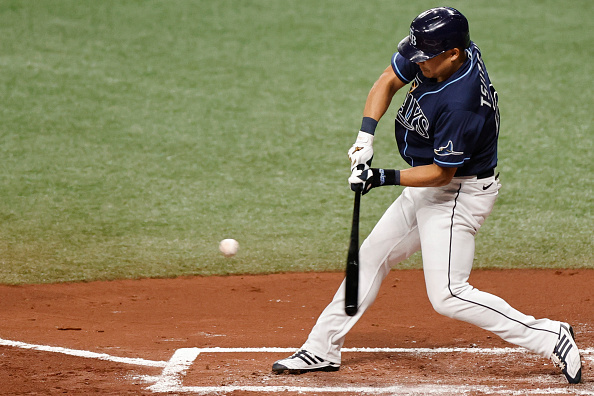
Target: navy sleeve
(455, 138)
(404, 69)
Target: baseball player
(446, 130)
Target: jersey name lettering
(489, 95)
(486, 99)
(412, 117)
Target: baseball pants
(441, 222)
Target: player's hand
(365, 179)
(359, 179)
(361, 153)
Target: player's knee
(443, 302)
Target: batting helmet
(434, 32)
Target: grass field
(138, 134)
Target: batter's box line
(83, 354)
(170, 379)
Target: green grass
(138, 134)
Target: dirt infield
(220, 335)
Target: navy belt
(485, 174)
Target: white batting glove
(359, 178)
(361, 153)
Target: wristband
(387, 177)
(368, 125)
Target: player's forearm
(381, 94)
(377, 103)
(426, 176)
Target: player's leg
(447, 235)
(393, 239)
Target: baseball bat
(352, 266)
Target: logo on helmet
(413, 39)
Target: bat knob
(350, 310)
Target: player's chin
(426, 73)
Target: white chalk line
(489, 351)
(391, 390)
(171, 377)
(84, 354)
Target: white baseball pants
(442, 222)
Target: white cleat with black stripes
(566, 355)
(302, 362)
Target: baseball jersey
(454, 123)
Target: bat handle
(352, 270)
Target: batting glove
(365, 180)
(359, 179)
(361, 153)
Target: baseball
(229, 247)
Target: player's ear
(455, 54)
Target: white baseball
(229, 247)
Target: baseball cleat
(302, 362)
(566, 355)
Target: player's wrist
(385, 177)
(368, 125)
(374, 177)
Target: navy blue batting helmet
(434, 32)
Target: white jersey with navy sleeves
(454, 123)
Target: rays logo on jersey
(448, 149)
(411, 116)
